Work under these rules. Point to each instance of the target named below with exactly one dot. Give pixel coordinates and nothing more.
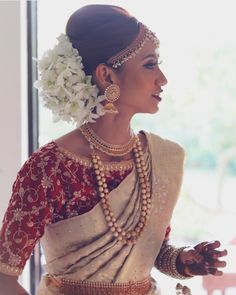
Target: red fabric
(49, 187)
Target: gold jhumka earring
(112, 93)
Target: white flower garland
(65, 88)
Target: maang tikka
(112, 93)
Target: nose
(161, 79)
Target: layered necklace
(105, 147)
(128, 237)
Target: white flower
(64, 86)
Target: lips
(157, 96)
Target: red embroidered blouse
(52, 185)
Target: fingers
(211, 246)
(200, 247)
(215, 272)
(218, 263)
(205, 268)
(213, 256)
(217, 253)
(210, 253)
(213, 268)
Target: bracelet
(166, 262)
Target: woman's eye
(152, 65)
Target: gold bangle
(166, 262)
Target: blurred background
(198, 110)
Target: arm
(167, 259)
(10, 286)
(23, 225)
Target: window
(198, 110)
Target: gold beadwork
(75, 287)
(108, 166)
(127, 237)
(105, 147)
(10, 270)
(138, 43)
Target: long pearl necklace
(105, 147)
(127, 237)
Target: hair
(99, 32)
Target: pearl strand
(127, 237)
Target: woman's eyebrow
(153, 55)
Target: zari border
(74, 287)
(10, 270)
(108, 166)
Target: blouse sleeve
(25, 218)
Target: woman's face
(140, 81)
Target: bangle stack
(166, 262)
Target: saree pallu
(83, 249)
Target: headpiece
(65, 88)
(144, 35)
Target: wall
(12, 87)
(13, 101)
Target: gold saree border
(75, 287)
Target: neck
(112, 128)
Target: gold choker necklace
(105, 147)
(127, 237)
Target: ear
(104, 76)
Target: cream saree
(82, 248)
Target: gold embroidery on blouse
(108, 166)
(29, 195)
(10, 270)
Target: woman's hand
(203, 259)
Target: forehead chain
(136, 45)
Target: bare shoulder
(74, 142)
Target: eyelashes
(152, 65)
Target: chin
(154, 110)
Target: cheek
(135, 83)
